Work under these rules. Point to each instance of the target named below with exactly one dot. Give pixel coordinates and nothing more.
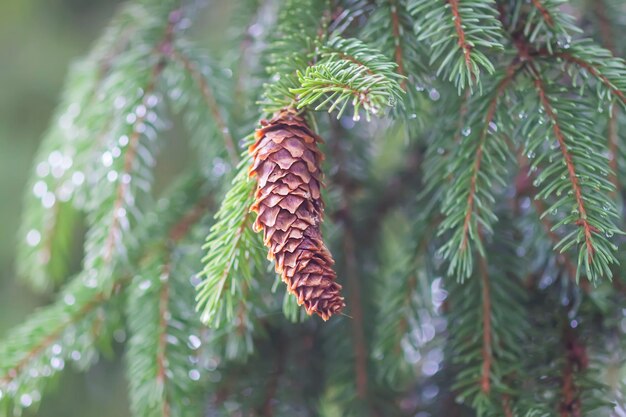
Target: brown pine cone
(286, 161)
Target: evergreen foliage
(475, 166)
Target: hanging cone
(286, 162)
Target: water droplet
(57, 363)
(131, 118)
(564, 41)
(194, 374)
(78, 178)
(116, 152)
(119, 102)
(57, 349)
(123, 140)
(141, 110)
(120, 212)
(530, 154)
(434, 94)
(55, 158)
(466, 131)
(144, 285)
(69, 299)
(33, 237)
(75, 355)
(194, 342)
(493, 128)
(112, 176)
(26, 400)
(152, 100)
(48, 200)
(42, 169)
(107, 159)
(126, 178)
(39, 189)
(609, 233)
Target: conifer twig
(460, 32)
(571, 169)
(593, 70)
(511, 71)
(395, 27)
(545, 13)
(487, 349)
(211, 103)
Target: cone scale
(286, 164)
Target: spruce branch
(610, 72)
(61, 333)
(542, 23)
(213, 102)
(466, 206)
(121, 172)
(349, 72)
(485, 344)
(234, 253)
(54, 190)
(586, 206)
(390, 30)
(458, 31)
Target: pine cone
(290, 210)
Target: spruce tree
(464, 162)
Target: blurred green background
(38, 40)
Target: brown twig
(545, 13)
(576, 360)
(460, 32)
(395, 30)
(161, 359)
(487, 349)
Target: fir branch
(457, 30)
(484, 343)
(473, 180)
(301, 27)
(122, 172)
(49, 218)
(71, 329)
(234, 252)
(390, 30)
(211, 102)
(591, 211)
(349, 72)
(600, 63)
(62, 332)
(404, 317)
(542, 23)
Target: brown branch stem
(487, 349)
